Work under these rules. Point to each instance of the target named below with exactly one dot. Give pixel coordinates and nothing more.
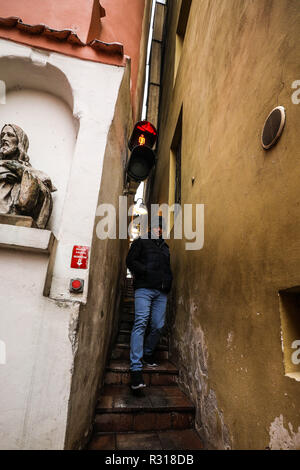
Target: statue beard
(8, 152)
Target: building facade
(72, 77)
(234, 313)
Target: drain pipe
(141, 188)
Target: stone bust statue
(23, 190)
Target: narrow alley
(160, 417)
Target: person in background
(149, 261)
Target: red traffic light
(146, 126)
(142, 158)
(144, 133)
(141, 161)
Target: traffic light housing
(142, 157)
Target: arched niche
(39, 99)
(37, 74)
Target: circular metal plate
(273, 127)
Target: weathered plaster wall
(98, 320)
(41, 333)
(239, 60)
(36, 377)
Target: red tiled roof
(64, 35)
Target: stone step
(127, 318)
(186, 439)
(129, 292)
(126, 315)
(122, 351)
(128, 300)
(127, 309)
(118, 373)
(152, 409)
(123, 338)
(126, 325)
(125, 334)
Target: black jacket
(149, 262)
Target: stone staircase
(159, 417)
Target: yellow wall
(239, 61)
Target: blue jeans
(147, 301)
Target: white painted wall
(54, 98)
(35, 380)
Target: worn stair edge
(144, 407)
(119, 399)
(152, 380)
(185, 439)
(165, 367)
(141, 421)
(121, 353)
(127, 331)
(125, 339)
(146, 410)
(118, 373)
(127, 319)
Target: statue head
(14, 143)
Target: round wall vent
(273, 127)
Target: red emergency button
(76, 285)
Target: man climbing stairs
(158, 417)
